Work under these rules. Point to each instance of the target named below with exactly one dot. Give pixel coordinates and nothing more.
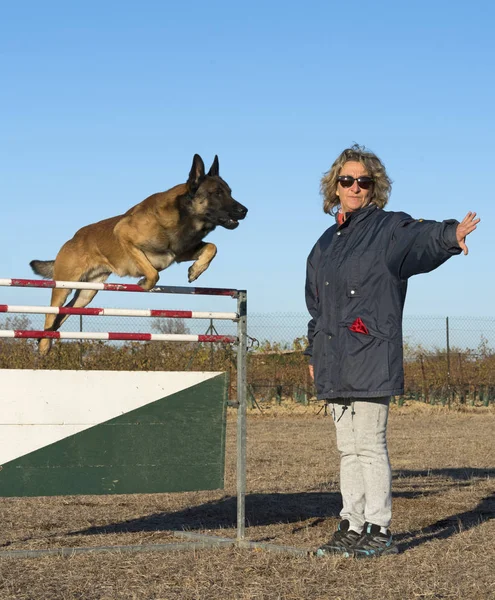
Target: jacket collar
(356, 216)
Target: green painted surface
(173, 444)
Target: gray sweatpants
(365, 474)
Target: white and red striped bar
(138, 337)
(117, 312)
(116, 287)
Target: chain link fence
(446, 359)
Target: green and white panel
(111, 432)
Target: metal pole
(81, 342)
(448, 360)
(210, 330)
(241, 412)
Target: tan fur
(167, 227)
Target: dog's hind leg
(81, 299)
(202, 255)
(53, 322)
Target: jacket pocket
(373, 331)
(365, 361)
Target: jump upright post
(240, 342)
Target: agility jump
(34, 393)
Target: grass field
(443, 500)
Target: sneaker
(343, 541)
(374, 543)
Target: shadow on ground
(455, 474)
(261, 510)
(269, 509)
(455, 523)
(449, 526)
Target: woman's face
(354, 197)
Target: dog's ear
(215, 168)
(196, 174)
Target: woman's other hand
(465, 227)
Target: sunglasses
(347, 181)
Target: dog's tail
(43, 268)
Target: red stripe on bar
(123, 287)
(3, 307)
(140, 337)
(20, 333)
(180, 314)
(39, 283)
(216, 338)
(65, 310)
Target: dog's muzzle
(230, 218)
(239, 212)
(236, 214)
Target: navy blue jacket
(360, 271)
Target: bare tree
(16, 322)
(175, 325)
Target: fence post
(81, 342)
(425, 386)
(449, 392)
(211, 330)
(241, 412)
(464, 393)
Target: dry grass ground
(443, 463)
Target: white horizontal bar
(122, 312)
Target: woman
(355, 290)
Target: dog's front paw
(147, 284)
(194, 272)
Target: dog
(165, 228)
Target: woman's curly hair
(382, 183)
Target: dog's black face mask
(212, 197)
(221, 208)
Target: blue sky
(105, 103)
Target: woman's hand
(465, 227)
(311, 372)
